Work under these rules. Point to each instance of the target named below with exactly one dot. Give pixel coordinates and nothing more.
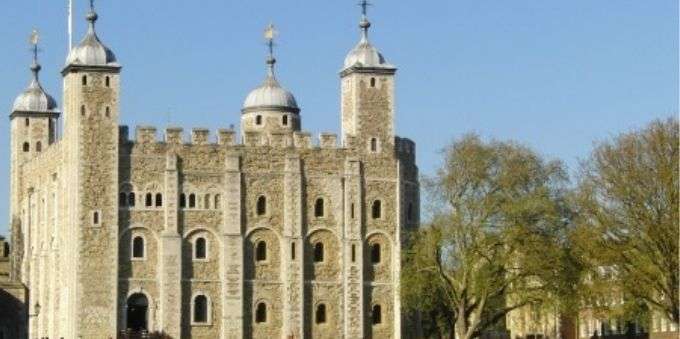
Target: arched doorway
(137, 312)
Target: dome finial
(92, 15)
(364, 24)
(269, 35)
(35, 67)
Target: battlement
(228, 137)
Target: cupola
(91, 51)
(34, 99)
(364, 54)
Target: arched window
(122, 199)
(200, 309)
(372, 82)
(138, 247)
(82, 110)
(374, 145)
(261, 313)
(258, 120)
(159, 200)
(375, 253)
(182, 200)
(376, 315)
(26, 147)
(38, 146)
(131, 199)
(84, 80)
(148, 202)
(108, 82)
(320, 314)
(261, 251)
(318, 252)
(261, 208)
(27, 122)
(108, 111)
(319, 208)
(409, 212)
(376, 209)
(284, 120)
(200, 248)
(206, 201)
(192, 200)
(217, 201)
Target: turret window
(374, 145)
(217, 201)
(200, 248)
(354, 253)
(372, 82)
(200, 314)
(108, 82)
(108, 111)
(261, 251)
(258, 120)
(148, 202)
(376, 209)
(131, 199)
(375, 253)
(206, 201)
(318, 252)
(27, 122)
(192, 200)
(26, 147)
(159, 200)
(138, 248)
(284, 120)
(95, 218)
(84, 80)
(261, 313)
(320, 314)
(376, 315)
(261, 207)
(319, 208)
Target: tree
(495, 240)
(628, 222)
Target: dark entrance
(137, 312)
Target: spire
(35, 67)
(364, 24)
(269, 35)
(91, 18)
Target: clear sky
(554, 75)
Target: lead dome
(91, 51)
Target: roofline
(34, 114)
(367, 70)
(284, 109)
(73, 68)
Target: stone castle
(266, 234)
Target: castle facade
(266, 234)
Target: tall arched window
(200, 309)
(95, 218)
(182, 200)
(376, 315)
(375, 253)
(376, 209)
(159, 200)
(108, 111)
(148, 201)
(318, 252)
(138, 247)
(261, 206)
(217, 201)
(284, 120)
(131, 199)
(261, 313)
(320, 314)
(319, 208)
(206, 201)
(38, 146)
(122, 199)
(261, 251)
(26, 147)
(292, 251)
(200, 248)
(192, 200)
(27, 122)
(354, 253)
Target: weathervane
(364, 24)
(33, 40)
(364, 7)
(269, 34)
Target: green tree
(495, 242)
(627, 201)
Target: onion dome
(364, 54)
(270, 96)
(91, 51)
(34, 99)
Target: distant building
(266, 235)
(13, 316)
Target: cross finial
(33, 40)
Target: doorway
(137, 312)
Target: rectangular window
(292, 251)
(354, 253)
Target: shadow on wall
(12, 315)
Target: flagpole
(70, 24)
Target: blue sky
(554, 75)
